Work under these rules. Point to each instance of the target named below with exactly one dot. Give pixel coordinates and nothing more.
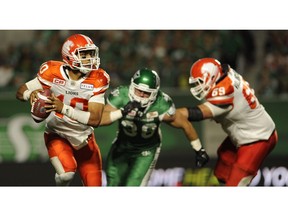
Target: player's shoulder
(123, 89)
(100, 75)
(48, 65)
(120, 91)
(164, 97)
(99, 72)
(163, 104)
(50, 69)
(98, 79)
(163, 100)
(118, 96)
(222, 93)
(226, 85)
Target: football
(38, 111)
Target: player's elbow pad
(194, 114)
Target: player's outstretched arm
(107, 115)
(181, 121)
(96, 112)
(112, 114)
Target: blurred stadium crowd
(260, 55)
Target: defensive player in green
(140, 108)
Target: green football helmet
(145, 80)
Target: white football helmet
(72, 49)
(203, 75)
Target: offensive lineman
(78, 86)
(230, 101)
(140, 108)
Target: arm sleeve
(34, 84)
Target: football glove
(201, 157)
(131, 105)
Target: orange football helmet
(75, 50)
(203, 75)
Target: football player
(78, 86)
(231, 102)
(140, 108)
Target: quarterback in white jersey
(232, 103)
(78, 86)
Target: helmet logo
(136, 75)
(207, 67)
(68, 45)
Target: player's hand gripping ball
(38, 111)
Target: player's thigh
(89, 155)
(250, 157)
(90, 163)
(60, 149)
(227, 154)
(116, 166)
(142, 165)
(249, 160)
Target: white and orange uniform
(68, 141)
(251, 131)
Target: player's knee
(239, 176)
(245, 181)
(135, 182)
(112, 180)
(92, 178)
(64, 179)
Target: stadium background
(260, 55)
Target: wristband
(115, 115)
(78, 115)
(196, 144)
(26, 94)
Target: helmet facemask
(199, 89)
(86, 65)
(143, 101)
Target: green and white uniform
(136, 148)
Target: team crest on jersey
(87, 86)
(59, 82)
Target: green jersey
(140, 133)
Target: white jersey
(247, 121)
(74, 93)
